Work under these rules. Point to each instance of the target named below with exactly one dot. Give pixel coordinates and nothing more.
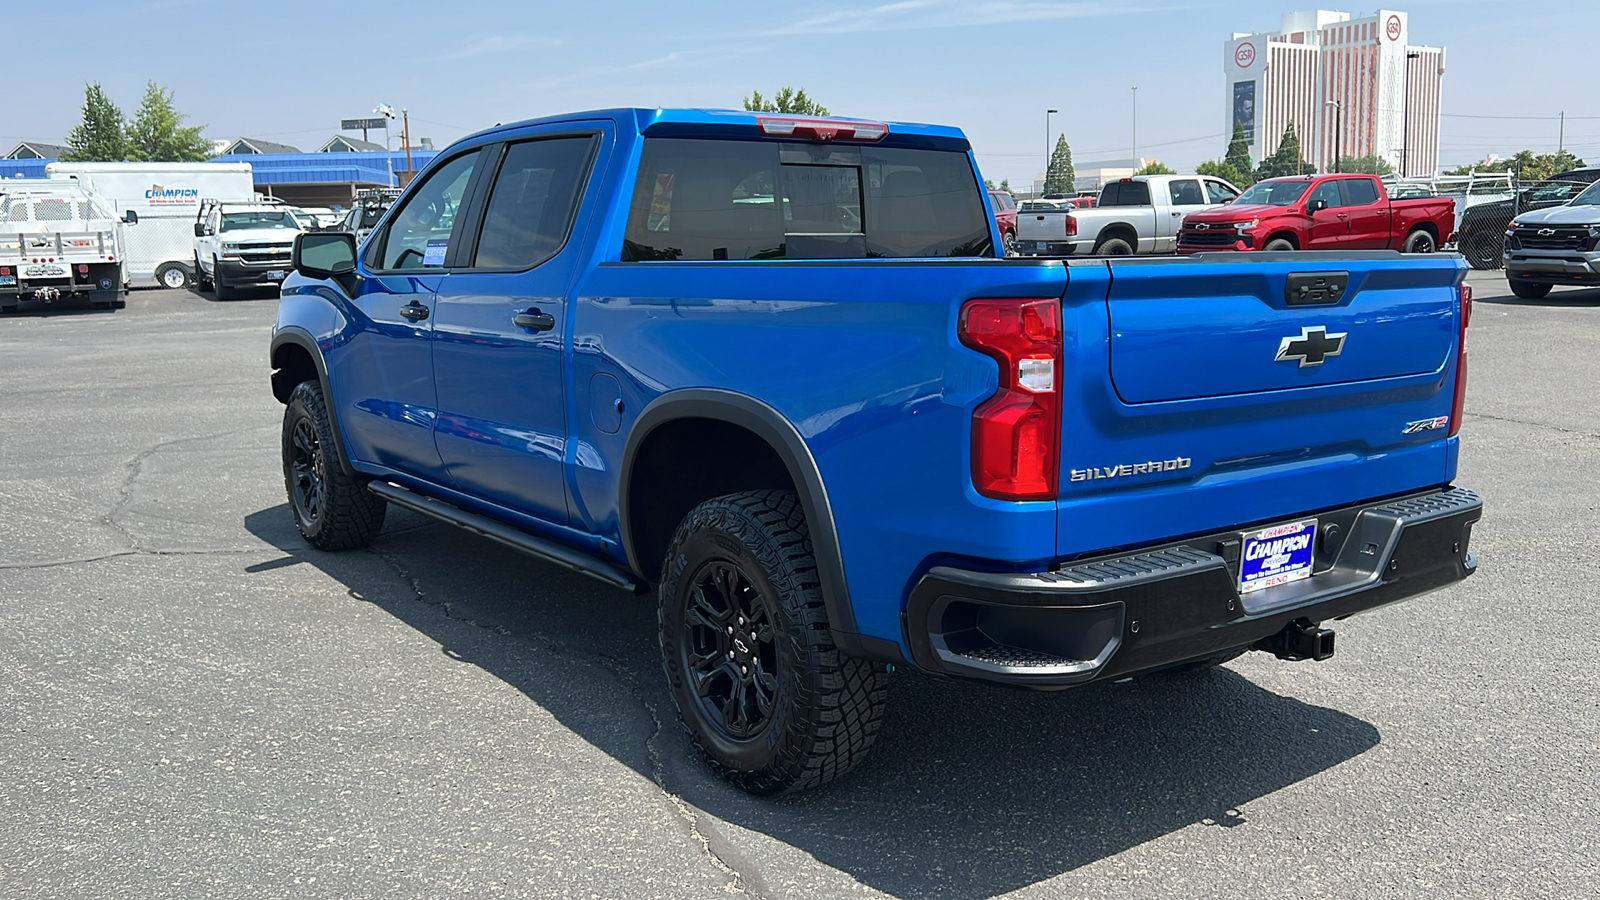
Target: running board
(539, 547)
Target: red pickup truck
(1320, 212)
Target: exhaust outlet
(1299, 640)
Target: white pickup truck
(242, 245)
(1142, 214)
(57, 241)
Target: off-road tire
(824, 708)
(1279, 244)
(1419, 241)
(223, 291)
(201, 281)
(1113, 247)
(340, 513)
(1529, 290)
(1483, 251)
(165, 273)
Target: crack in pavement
(56, 563)
(135, 468)
(739, 882)
(1545, 425)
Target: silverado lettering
(1125, 469)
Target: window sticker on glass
(434, 254)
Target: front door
(500, 329)
(382, 374)
(1330, 226)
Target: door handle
(414, 311)
(534, 319)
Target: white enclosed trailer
(160, 248)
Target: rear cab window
(733, 199)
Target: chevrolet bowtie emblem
(1546, 232)
(1313, 345)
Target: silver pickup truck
(1141, 214)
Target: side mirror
(1316, 206)
(130, 217)
(324, 254)
(199, 229)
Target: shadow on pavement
(1587, 297)
(970, 791)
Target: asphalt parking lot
(196, 704)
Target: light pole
(1338, 130)
(1042, 185)
(1136, 128)
(387, 111)
(1405, 119)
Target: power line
(1524, 118)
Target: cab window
(1328, 192)
(1217, 192)
(1359, 191)
(532, 203)
(418, 236)
(1185, 193)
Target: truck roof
(643, 119)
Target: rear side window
(532, 202)
(1126, 193)
(1186, 193)
(1359, 191)
(702, 199)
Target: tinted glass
(1126, 193)
(1275, 193)
(1186, 193)
(1554, 192)
(1590, 197)
(1328, 192)
(419, 235)
(1359, 191)
(729, 199)
(1217, 192)
(532, 202)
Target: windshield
(242, 221)
(1274, 193)
(1590, 197)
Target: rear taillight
(5, 270)
(1016, 434)
(1461, 361)
(1072, 226)
(83, 268)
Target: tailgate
(1199, 397)
(1036, 225)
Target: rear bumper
(1132, 613)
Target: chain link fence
(1481, 227)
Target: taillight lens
(1016, 434)
(1460, 402)
(1072, 226)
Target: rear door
(1369, 214)
(500, 325)
(1185, 196)
(1234, 397)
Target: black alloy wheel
(729, 649)
(332, 508)
(768, 699)
(307, 471)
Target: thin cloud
(908, 15)
(688, 56)
(497, 43)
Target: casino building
(1386, 89)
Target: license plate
(8, 279)
(274, 274)
(45, 271)
(1276, 555)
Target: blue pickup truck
(774, 371)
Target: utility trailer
(59, 241)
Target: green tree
(99, 136)
(1157, 167)
(787, 100)
(1286, 160)
(1527, 165)
(1371, 164)
(1238, 154)
(1005, 185)
(1060, 178)
(1218, 168)
(157, 133)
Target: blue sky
(289, 70)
